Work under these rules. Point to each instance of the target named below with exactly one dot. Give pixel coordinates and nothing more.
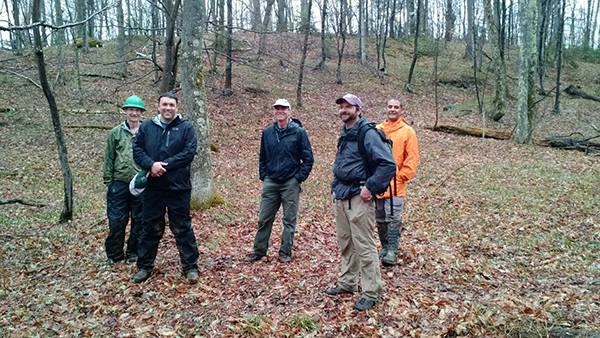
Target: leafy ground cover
(501, 239)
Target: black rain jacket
(349, 174)
(285, 153)
(175, 145)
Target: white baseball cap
(283, 103)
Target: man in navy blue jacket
(354, 187)
(286, 160)
(165, 146)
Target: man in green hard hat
(119, 169)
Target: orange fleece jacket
(406, 154)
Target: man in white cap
(286, 160)
(363, 168)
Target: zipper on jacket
(168, 134)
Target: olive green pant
(354, 221)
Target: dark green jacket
(118, 159)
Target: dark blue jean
(120, 205)
(177, 202)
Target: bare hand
(158, 169)
(365, 194)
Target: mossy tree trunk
(526, 113)
(194, 96)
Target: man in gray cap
(286, 160)
(363, 168)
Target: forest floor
(501, 239)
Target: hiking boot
(285, 259)
(253, 258)
(390, 258)
(364, 304)
(141, 276)
(132, 259)
(191, 277)
(337, 290)
(382, 231)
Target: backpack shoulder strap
(362, 132)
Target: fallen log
(472, 131)
(578, 92)
(569, 143)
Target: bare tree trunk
(559, 52)
(256, 15)
(60, 41)
(169, 68)
(92, 22)
(499, 109)
(392, 20)
(544, 12)
(67, 212)
(595, 25)
(588, 26)
(362, 26)
(17, 43)
(411, 16)
(227, 91)
(194, 97)
(306, 29)
(470, 33)
(450, 19)
(265, 27)
(526, 110)
(121, 40)
(415, 50)
(281, 19)
(342, 46)
(154, 42)
(321, 64)
(219, 44)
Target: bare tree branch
(24, 77)
(53, 27)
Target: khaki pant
(355, 221)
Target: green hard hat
(134, 102)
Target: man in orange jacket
(391, 203)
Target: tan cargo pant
(355, 221)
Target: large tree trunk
(82, 29)
(265, 27)
(306, 29)
(415, 50)
(499, 109)
(542, 28)
(410, 16)
(321, 64)
(169, 69)
(194, 97)
(67, 212)
(227, 91)
(559, 52)
(121, 40)
(392, 20)
(154, 15)
(526, 108)
(341, 46)
(219, 44)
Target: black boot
(394, 233)
(382, 230)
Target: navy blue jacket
(285, 153)
(349, 173)
(175, 145)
